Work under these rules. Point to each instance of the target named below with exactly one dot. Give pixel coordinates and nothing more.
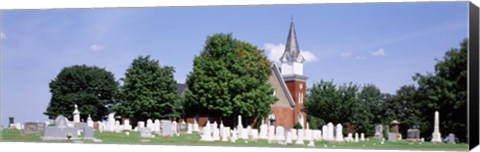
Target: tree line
(230, 78)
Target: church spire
(292, 51)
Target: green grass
(12, 135)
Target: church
(289, 85)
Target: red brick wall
(283, 116)
(293, 87)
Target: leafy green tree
(368, 109)
(404, 107)
(445, 90)
(148, 92)
(229, 78)
(327, 103)
(90, 87)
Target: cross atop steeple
(292, 51)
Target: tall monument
(76, 114)
(436, 136)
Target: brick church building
(289, 85)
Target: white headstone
(356, 137)
(216, 134)
(325, 132)
(207, 133)
(118, 128)
(317, 134)
(280, 134)
(234, 136)
(190, 128)
(436, 135)
(308, 135)
(339, 134)
(150, 124)
(89, 121)
(225, 132)
(140, 124)
(263, 131)
(271, 133)
(349, 137)
(288, 139)
(76, 115)
(126, 125)
(330, 132)
(293, 132)
(300, 137)
(249, 131)
(156, 125)
(362, 137)
(111, 122)
(174, 127)
(196, 128)
(254, 134)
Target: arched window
(271, 118)
(300, 119)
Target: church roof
(281, 86)
(292, 51)
(181, 87)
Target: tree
(90, 87)
(445, 91)
(327, 103)
(148, 92)
(229, 78)
(368, 109)
(404, 107)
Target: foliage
(358, 107)
(445, 90)
(148, 92)
(298, 126)
(229, 78)
(90, 87)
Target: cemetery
(166, 132)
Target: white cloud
(96, 47)
(360, 57)
(379, 52)
(275, 51)
(3, 36)
(345, 54)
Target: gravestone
(140, 124)
(111, 122)
(436, 136)
(216, 134)
(145, 132)
(30, 128)
(225, 133)
(317, 134)
(288, 138)
(451, 138)
(254, 134)
(392, 136)
(174, 127)
(280, 134)
(89, 121)
(362, 137)
(76, 115)
(300, 137)
(156, 126)
(196, 128)
(249, 131)
(88, 133)
(356, 137)
(349, 137)
(413, 134)
(11, 121)
(308, 135)
(150, 125)
(189, 128)
(271, 133)
(339, 134)
(182, 127)
(263, 131)
(330, 132)
(378, 132)
(60, 130)
(234, 135)
(325, 132)
(166, 128)
(294, 133)
(126, 125)
(41, 126)
(207, 133)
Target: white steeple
(292, 60)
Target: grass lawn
(194, 140)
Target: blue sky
(384, 44)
